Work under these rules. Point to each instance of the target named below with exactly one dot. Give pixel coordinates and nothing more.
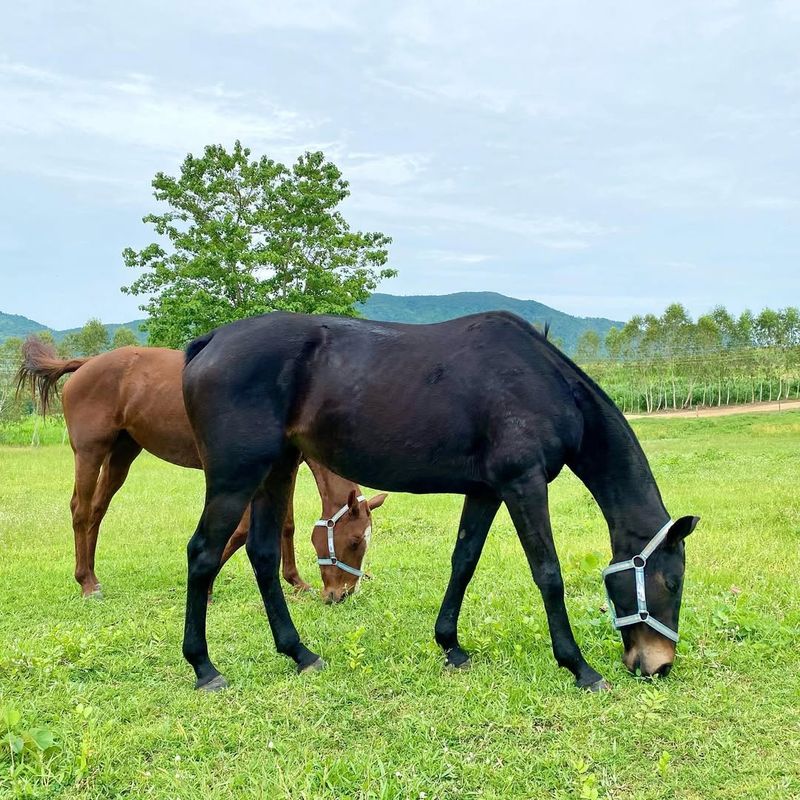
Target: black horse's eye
(672, 585)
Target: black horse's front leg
(527, 504)
(268, 512)
(476, 519)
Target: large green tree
(243, 236)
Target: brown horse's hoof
(95, 594)
(599, 686)
(216, 684)
(314, 666)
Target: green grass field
(98, 698)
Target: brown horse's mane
(42, 368)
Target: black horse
(482, 406)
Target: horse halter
(330, 524)
(637, 563)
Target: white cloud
(135, 111)
(312, 15)
(452, 256)
(550, 232)
(391, 170)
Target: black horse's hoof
(598, 686)
(314, 666)
(457, 659)
(216, 684)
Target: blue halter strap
(637, 563)
(330, 524)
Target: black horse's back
(441, 395)
(407, 387)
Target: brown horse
(121, 402)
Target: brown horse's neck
(333, 489)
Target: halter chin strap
(637, 563)
(330, 524)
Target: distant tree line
(670, 361)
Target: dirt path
(722, 411)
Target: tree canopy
(244, 236)
(90, 340)
(123, 337)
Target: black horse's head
(648, 647)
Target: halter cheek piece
(330, 524)
(637, 563)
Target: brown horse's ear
(352, 502)
(377, 501)
(681, 529)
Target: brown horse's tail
(41, 369)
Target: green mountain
(564, 328)
(16, 325)
(19, 326)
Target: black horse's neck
(613, 466)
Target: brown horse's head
(351, 534)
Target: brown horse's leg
(113, 475)
(239, 537)
(237, 540)
(88, 462)
(290, 573)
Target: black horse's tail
(196, 345)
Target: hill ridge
(413, 308)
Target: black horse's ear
(681, 529)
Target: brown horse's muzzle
(331, 596)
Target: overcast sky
(604, 158)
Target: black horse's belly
(393, 451)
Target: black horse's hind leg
(223, 510)
(264, 551)
(476, 519)
(527, 504)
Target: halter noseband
(330, 524)
(637, 563)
